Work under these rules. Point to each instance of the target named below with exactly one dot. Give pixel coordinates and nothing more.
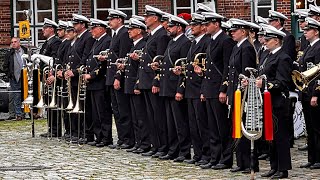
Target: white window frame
(114, 5)
(34, 24)
(193, 5)
(256, 5)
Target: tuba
(200, 60)
(303, 79)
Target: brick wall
(164, 5)
(5, 23)
(67, 7)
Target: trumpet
(53, 103)
(200, 60)
(107, 52)
(182, 62)
(41, 103)
(70, 103)
(303, 79)
(139, 52)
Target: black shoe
(167, 157)
(125, 146)
(303, 148)
(315, 166)
(113, 146)
(221, 166)
(74, 140)
(280, 175)
(132, 149)
(190, 161)
(207, 166)
(246, 171)
(263, 157)
(307, 165)
(158, 154)
(11, 117)
(236, 169)
(269, 173)
(44, 135)
(179, 159)
(101, 144)
(150, 153)
(139, 151)
(201, 162)
(93, 143)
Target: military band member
(99, 112)
(119, 47)
(177, 123)
(62, 57)
(301, 19)
(136, 30)
(277, 67)
(156, 45)
(78, 54)
(213, 91)
(243, 55)
(165, 19)
(197, 115)
(308, 99)
(50, 48)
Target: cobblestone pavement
(64, 161)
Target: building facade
(11, 11)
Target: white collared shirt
(313, 42)
(276, 50)
(155, 30)
(136, 41)
(73, 41)
(197, 39)
(216, 34)
(177, 37)
(280, 29)
(50, 37)
(101, 36)
(64, 39)
(240, 42)
(79, 36)
(116, 31)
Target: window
(262, 7)
(189, 6)
(40, 10)
(101, 7)
(304, 4)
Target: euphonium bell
(41, 103)
(81, 86)
(303, 79)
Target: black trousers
(54, 123)
(122, 116)
(157, 123)
(315, 111)
(199, 131)
(178, 127)
(101, 114)
(139, 120)
(306, 109)
(280, 158)
(220, 132)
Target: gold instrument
(81, 90)
(24, 89)
(303, 79)
(139, 52)
(41, 104)
(182, 62)
(53, 103)
(200, 60)
(70, 104)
